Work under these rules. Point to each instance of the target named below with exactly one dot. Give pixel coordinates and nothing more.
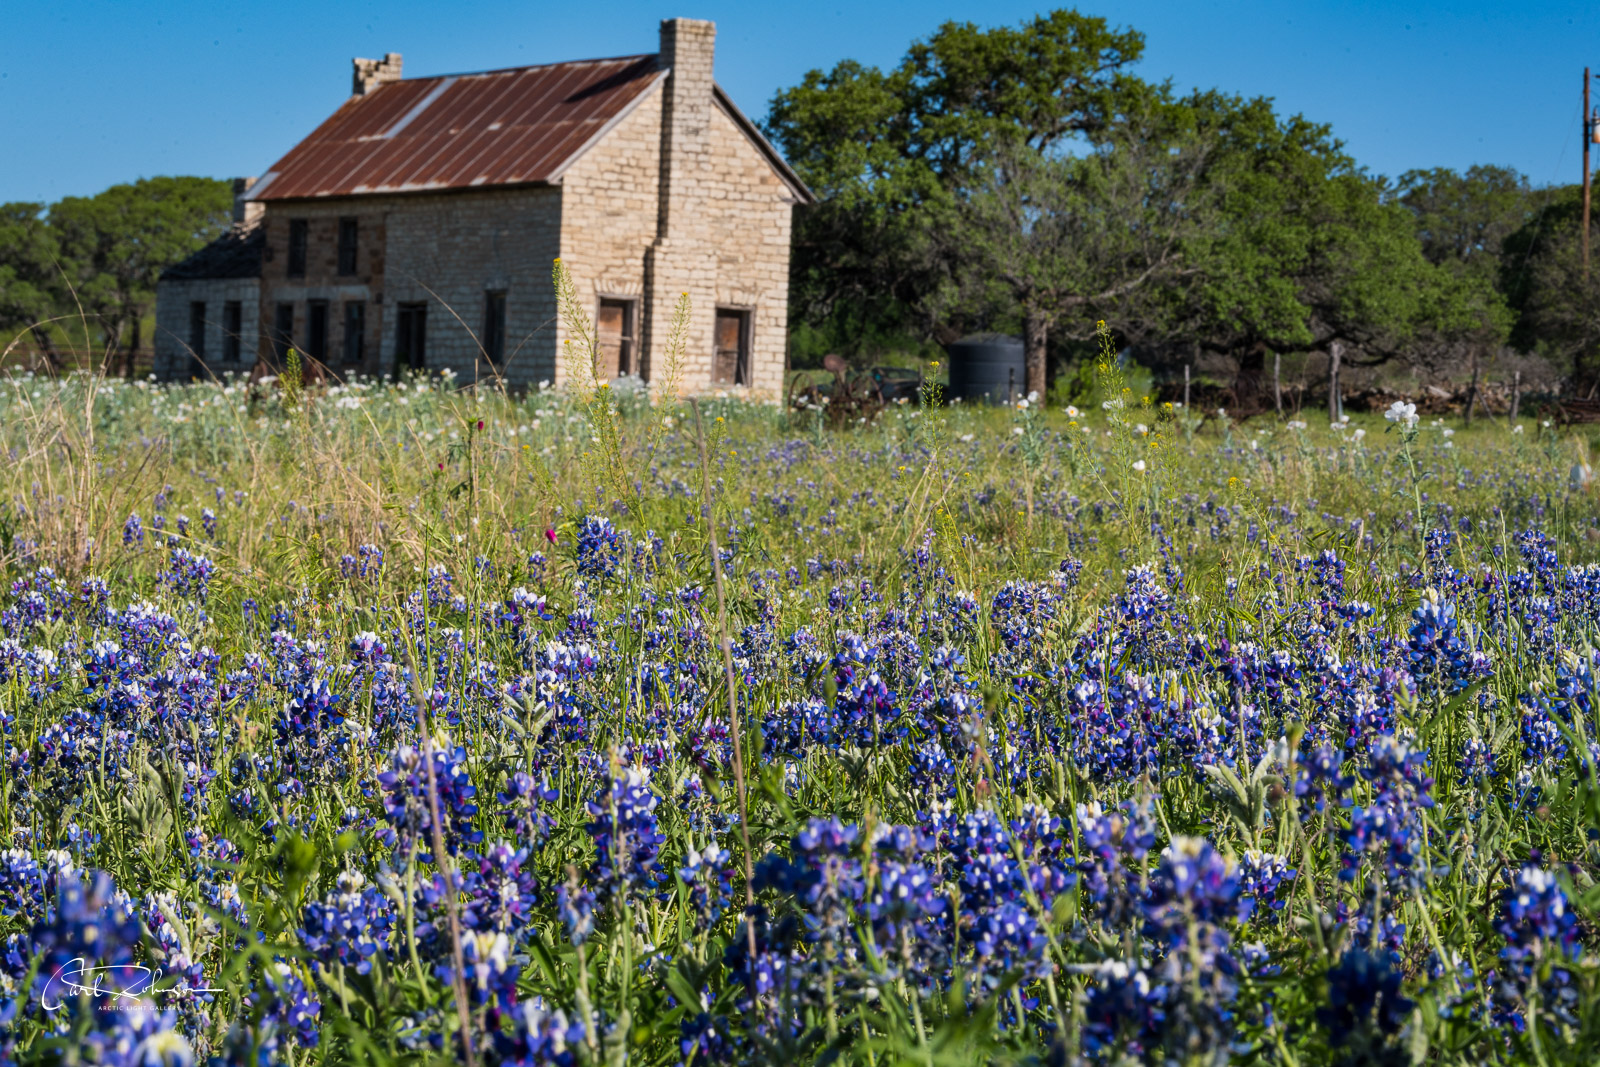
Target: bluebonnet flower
(706, 1038)
(523, 801)
(1541, 933)
(1113, 842)
(140, 1036)
(600, 547)
(709, 877)
(439, 584)
(1262, 877)
(1125, 1013)
(538, 1038)
(626, 834)
(1478, 764)
(1365, 1006)
(133, 531)
(489, 975)
(1537, 922)
(406, 804)
(351, 926)
(904, 908)
(501, 894)
(1390, 827)
(1194, 895)
(575, 906)
(825, 876)
(90, 918)
(1438, 650)
(289, 1005)
(1541, 943)
(1008, 938)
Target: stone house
(417, 227)
(208, 306)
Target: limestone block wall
(747, 211)
(449, 249)
(171, 342)
(727, 245)
(609, 210)
(679, 261)
(445, 250)
(322, 280)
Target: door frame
(402, 310)
(742, 369)
(631, 319)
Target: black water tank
(987, 366)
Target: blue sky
(96, 93)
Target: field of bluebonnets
(385, 723)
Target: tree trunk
(1335, 400)
(1034, 335)
(113, 336)
(47, 346)
(1277, 383)
(133, 350)
(1472, 390)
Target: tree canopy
(100, 256)
(1025, 178)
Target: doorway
(410, 338)
(730, 361)
(615, 327)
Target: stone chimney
(245, 212)
(371, 73)
(687, 47)
(681, 259)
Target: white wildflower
(1403, 413)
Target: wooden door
(611, 327)
(730, 358)
(282, 333)
(410, 337)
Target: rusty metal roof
(234, 254)
(461, 131)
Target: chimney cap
(368, 74)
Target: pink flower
(550, 535)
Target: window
(731, 355)
(494, 326)
(347, 246)
(410, 338)
(355, 332)
(317, 331)
(197, 338)
(615, 327)
(282, 332)
(232, 327)
(298, 231)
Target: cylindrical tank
(987, 366)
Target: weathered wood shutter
(609, 361)
(729, 363)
